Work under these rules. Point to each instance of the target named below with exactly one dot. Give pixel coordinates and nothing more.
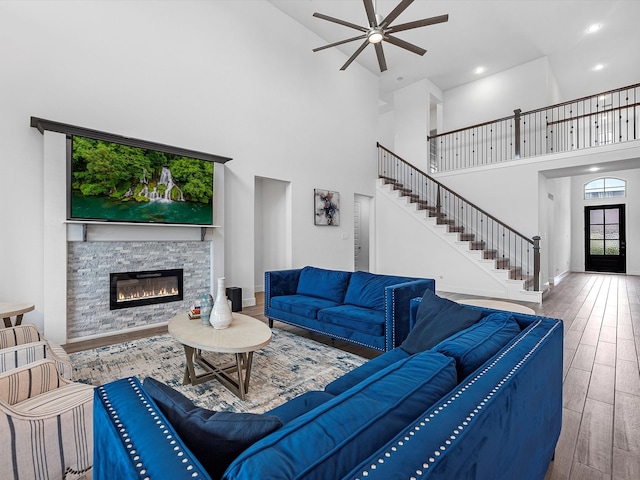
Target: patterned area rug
(288, 366)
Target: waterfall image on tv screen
(115, 182)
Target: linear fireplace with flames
(134, 289)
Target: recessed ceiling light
(594, 169)
(594, 28)
(597, 67)
(479, 70)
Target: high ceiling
(495, 34)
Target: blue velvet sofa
(484, 403)
(367, 309)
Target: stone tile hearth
(88, 268)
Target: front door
(605, 239)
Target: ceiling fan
(379, 30)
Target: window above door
(605, 188)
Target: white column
(55, 237)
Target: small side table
(8, 310)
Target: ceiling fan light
(375, 35)
(594, 28)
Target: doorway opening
(361, 228)
(605, 245)
(272, 227)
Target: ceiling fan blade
(406, 45)
(353, 57)
(341, 22)
(359, 37)
(401, 7)
(371, 13)
(381, 60)
(418, 23)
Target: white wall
(407, 247)
(404, 130)
(489, 186)
(554, 219)
(559, 227)
(411, 107)
(386, 122)
(198, 75)
(545, 219)
(496, 96)
(632, 220)
(554, 94)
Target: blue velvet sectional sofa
(483, 403)
(367, 309)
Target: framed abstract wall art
(327, 207)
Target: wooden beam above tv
(42, 124)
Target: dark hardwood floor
(600, 436)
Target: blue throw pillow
(436, 319)
(321, 283)
(475, 345)
(215, 438)
(367, 289)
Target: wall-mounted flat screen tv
(120, 183)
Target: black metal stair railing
(601, 119)
(497, 241)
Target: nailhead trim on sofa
(432, 460)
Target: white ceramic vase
(221, 316)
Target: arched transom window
(605, 188)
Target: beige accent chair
(23, 344)
(46, 424)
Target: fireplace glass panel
(146, 288)
(131, 289)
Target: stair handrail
(542, 109)
(534, 241)
(477, 125)
(582, 99)
(441, 185)
(604, 118)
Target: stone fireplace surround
(90, 263)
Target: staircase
(499, 250)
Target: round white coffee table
(7, 310)
(244, 336)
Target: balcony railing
(602, 119)
(510, 250)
